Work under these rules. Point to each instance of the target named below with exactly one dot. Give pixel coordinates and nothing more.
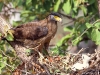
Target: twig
(7, 64)
(68, 16)
(67, 23)
(80, 51)
(46, 69)
(5, 54)
(87, 29)
(99, 7)
(26, 69)
(25, 72)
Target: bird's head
(55, 17)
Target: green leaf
(55, 50)
(28, 50)
(98, 36)
(91, 1)
(76, 3)
(76, 41)
(32, 17)
(75, 10)
(67, 7)
(46, 5)
(2, 65)
(9, 37)
(88, 25)
(97, 25)
(28, 2)
(1, 5)
(25, 12)
(69, 29)
(95, 36)
(56, 6)
(25, 15)
(16, 2)
(65, 38)
(2, 61)
(84, 9)
(0, 56)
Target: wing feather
(30, 31)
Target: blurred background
(80, 27)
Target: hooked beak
(58, 19)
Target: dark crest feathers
(56, 14)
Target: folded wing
(30, 31)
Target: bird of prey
(37, 34)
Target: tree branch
(21, 51)
(68, 16)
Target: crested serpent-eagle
(37, 34)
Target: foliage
(7, 58)
(87, 25)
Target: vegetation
(87, 25)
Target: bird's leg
(42, 62)
(46, 45)
(40, 54)
(45, 52)
(41, 57)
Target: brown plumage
(39, 33)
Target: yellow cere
(57, 18)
